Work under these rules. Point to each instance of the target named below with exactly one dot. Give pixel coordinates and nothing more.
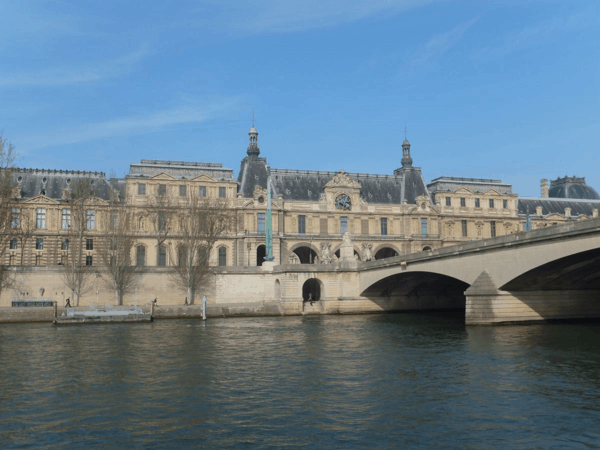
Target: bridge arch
(313, 289)
(418, 290)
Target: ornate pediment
(204, 178)
(39, 199)
(259, 193)
(342, 179)
(463, 190)
(163, 176)
(491, 192)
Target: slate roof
(51, 182)
(557, 206)
(308, 185)
(180, 169)
(476, 185)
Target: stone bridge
(547, 274)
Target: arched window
(222, 256)
(162, 256)
(141, 256)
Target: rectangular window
(142, 189)
(38, 260)
(477, 203)
(463, 202)
(222, 192)
(493, 228)
(89, 244)
(162, 220)
(39, 243)
(222, 256)
(65, 244)
(301, 224)
(16, 218)
(89, 260)
(91, 219)
(114, 220)
(261, 223)
(182, 190)
(464, 228)
(13, 244)
(491, 202)
(162, 256)
(40, 218)
(202, 191)
(384, 226)
(162, 189)
(505, 204)
(423, 227)
(448, 201)
(343, 225)
(66, 219)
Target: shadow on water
(411, 380)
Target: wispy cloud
(125, 126)
(79, 74)
(276, 16)
(541, 32)
(440, 43)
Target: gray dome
(572, 187)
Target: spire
(253, 149)
(406, 159)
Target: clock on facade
(342, 201)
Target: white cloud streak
(78, 74)
(125, 126)
(440, 43)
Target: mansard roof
(475, 185)
(34, 182)
(180, 169)
(308, 185)
(557, 206)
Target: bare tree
(161, 214)
(115, 252)
(76, 274)
(23, 227)
(203, 223)
(7, 203)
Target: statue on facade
(326, 255)
(368, 252)
(346, 239)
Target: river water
(373, 381)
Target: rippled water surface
(378, 381)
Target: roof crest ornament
(341, 178)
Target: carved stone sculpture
(367, 252)
(326, 255)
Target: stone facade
(384, 215)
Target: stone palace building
(386, 215)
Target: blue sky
(505, 89)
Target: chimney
(567, 212)
(544, 184)
(538, 211)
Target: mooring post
(204, 308)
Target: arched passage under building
(261, 252)
(418, 291)
(311, 289)
(306, 255)
(385, 252)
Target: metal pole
(269, 256)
